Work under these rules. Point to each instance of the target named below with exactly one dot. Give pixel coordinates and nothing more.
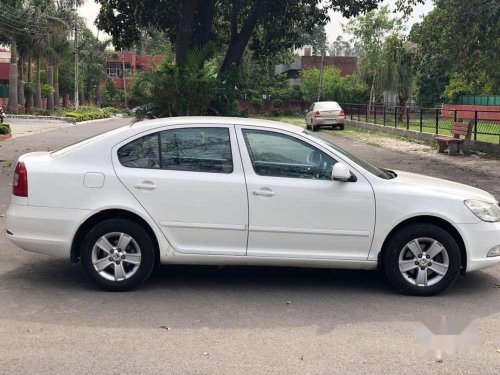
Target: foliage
(265, 26)
(278, 103)
(316, 38)
(257, 103)
(5, 128)
(47, 90)
(347, 89)
(458, 49)
(86, 113)
(398, 67)
(371, 31)
(171, 90)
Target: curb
(3, 137)
(32, 117)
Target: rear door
(191, 182)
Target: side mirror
(341, 172)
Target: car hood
(440, 186)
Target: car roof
(198, 120)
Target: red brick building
(134, 64)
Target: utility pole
(320, 87)
(76, 58)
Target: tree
(348, 89)
(458, 49)
(371, 30)
(266, 26)
(317, 39)
(398, 68)
(93, 54)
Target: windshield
(370, 168)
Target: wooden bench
(455, 143)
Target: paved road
(205, 320)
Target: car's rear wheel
(118, 254)
(314, 128)
(422, 259)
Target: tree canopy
(265, 26)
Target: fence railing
(486, 124)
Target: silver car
(325, 114)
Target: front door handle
(264, 192)
(145, 185)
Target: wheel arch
(104, 215)
(428, 219)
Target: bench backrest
(461, 128)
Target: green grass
(429, 126)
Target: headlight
(485, 211)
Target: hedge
(5, 128)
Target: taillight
(20, 183)
(317, 114)
(341, 112)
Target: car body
(321, 114)
(231, 191)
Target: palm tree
(93, 53)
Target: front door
(295, 209)
(190, 180)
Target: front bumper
(479, 239)
(43, 230)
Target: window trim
(284, 135)
(158, 132)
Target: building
(346, 64)
(133, 63)
(4, 76)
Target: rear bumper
(319, 121)
(43, 230)
(479, 239)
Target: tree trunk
(240, 40)
(402, 107)
(81, 94)
(38, 85)
(50, 82)
(30, 99)
(98, 93)
(184, 30)
(13, 97)
(57, 99)
(20, 86)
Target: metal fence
(486, 124)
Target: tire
(136, 260)
(314, 128)
(439, 260)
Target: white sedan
(230, 191)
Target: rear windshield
(326, 106)
(82, 143)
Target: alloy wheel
(423, 262)
(116, 256)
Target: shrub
(278, 103)
(257, 103)
(5, 128)
(277, 112)
(47, 90)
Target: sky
(90, 9)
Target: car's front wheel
(422, 259)
(118, 254)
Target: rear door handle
(145, 185)
(264, 193)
